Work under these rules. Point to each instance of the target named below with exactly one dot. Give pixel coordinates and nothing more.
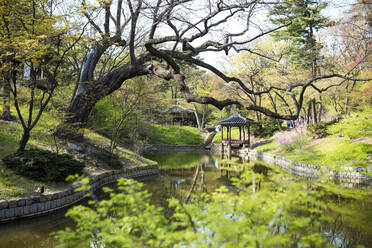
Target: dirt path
(365, 140)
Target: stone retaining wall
(342, 174)
(46, 203)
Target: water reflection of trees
(345, 227)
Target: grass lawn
(329, 151)
(12, 185)
(175, 135)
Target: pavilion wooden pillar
(240, 133)
(243, 136)
(222, 145)
(229, 146)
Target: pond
(200, 172)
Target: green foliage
(105, 118)
(318, 130)
(127, 219)
(298, 143)
(221, 219)
(266, 128)
(112, 159)
(104, 115)
(124, 115)
(43, 165)
(306, 18)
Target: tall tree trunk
(88, 65)
(320, 109)
(309, 113)
(305, 115)
(315, 119)
(348, 97)
(273, 104)
(87, 95)
(205, 109)
(24, 140)
(197, 116)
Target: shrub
(318, 130)
(266, 128)
(128, 219)
(111, 159)
(43, 165)
(292, 140)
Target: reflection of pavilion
(235, 121)
(191, 175)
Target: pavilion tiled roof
(178, 109)
(236, 120)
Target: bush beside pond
(43, 165)
(318, 130)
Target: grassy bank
(137, 129)
(174, 135)
(95, 145)
(348, 143)
(95, 156)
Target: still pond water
(352, 216)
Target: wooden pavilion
(180, 115)
(235, 120)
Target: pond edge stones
(345, 175)
(43, 204)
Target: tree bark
(87, 96)
(315, 119)
(205, 109)
(24, 140)
(320, 109)
(88, 65)
(197, 116)
(309, 113)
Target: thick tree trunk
(24, 140)
(87, 68)
(87, 96)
